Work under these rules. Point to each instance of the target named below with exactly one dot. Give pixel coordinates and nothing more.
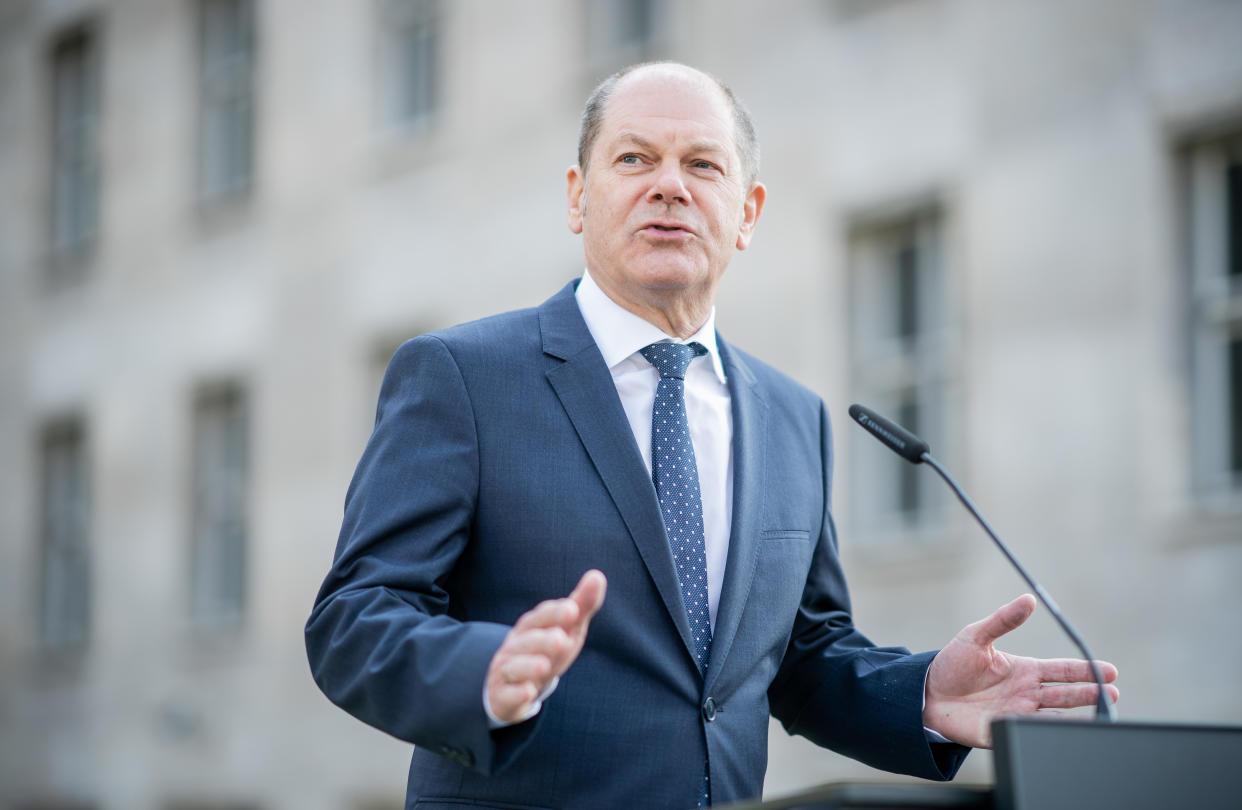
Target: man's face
(663, 203)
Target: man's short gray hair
(744, 128)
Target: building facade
(1015, 227)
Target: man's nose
(669, 185)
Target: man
(527, 456)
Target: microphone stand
(1103, 708)
(915, 450)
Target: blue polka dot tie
(676, 478)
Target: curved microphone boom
(915, 450)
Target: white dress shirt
(620, 334)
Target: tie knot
(672, 359)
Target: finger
(552, 642)
(573, 610)
(588, 595)
(536, 669)
(549, 613)
(1073, 670)
(1006, 619)
(1072, 696)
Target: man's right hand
(542, 644)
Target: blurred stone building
(1014, 226)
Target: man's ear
(751, 210)
(576, 186)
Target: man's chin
(672, 276)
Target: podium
(1068, 764)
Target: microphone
(915, 450)
(898, 439)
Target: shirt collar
(619, 333)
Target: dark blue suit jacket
(501, 468)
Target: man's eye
(630, 159)
(703, 164)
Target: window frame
(74, 182)
(1214, 293)
(65, 532)
(399, 24)
(220, 514)
(227, 105)
(902, 352)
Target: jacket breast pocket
(785, 536)
(781, 568)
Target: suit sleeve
(838, 689)
(381, 640)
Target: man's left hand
(971, 683)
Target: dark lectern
(1069, 764)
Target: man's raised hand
(971, 683)
(542, 644)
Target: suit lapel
(750, 415)
(586, 391)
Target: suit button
(709, 710)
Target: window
(64, 603)
(220, 485)
(75, 84)
(900, 365)
(411, 54)
(226, 98)
(1215, 230)
(622, 32)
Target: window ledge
(1213, 519)
(405, 147)
(923, 552)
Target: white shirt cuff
(931, 736)
(493, 722)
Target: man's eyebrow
(700, 145)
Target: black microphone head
(894, 436)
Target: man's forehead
(663, 93)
